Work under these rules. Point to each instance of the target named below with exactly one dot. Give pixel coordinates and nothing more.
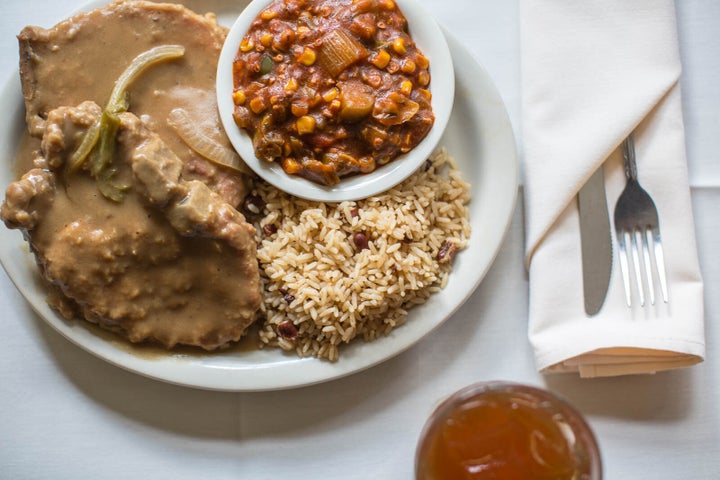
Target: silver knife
(596, 241)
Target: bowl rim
(430, 39)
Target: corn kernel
(362, 6)
(425, 93)
(305, 124)
(381, 59)
(302, 31)
(408, 66)
(406, 87)
(257, 105)
(238, 97)
(287, 149)
(335, 105)
(388, 5)
(422, 61)
(330, 95)
(246, 44)
(291, 85)
(423, 78)
(268, 14)
(399, 46)
(290, 165)
(307, 57)
(266, 40)
(298, 110)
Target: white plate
(429, 39)
(479, 136)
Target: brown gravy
(249, 342)
(152, 351)
(24, 154)
(126, 266)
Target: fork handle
(629, 158)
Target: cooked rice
(316, 277)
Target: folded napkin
(592, 72)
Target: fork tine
(635, 249)
(636, 227)
(660, 263)
(623, 255)
(647, 240)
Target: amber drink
(506, 431)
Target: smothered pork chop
(132, 227)
(80, 58)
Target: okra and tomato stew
(331, 88)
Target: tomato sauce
(331, 88)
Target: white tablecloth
(66, 414)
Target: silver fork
(638, 229)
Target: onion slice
(90, 139)
(203, 145)
(103, 131)
(142, 62)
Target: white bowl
(429, 38)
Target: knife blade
(596, 241)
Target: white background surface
(65, 414)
